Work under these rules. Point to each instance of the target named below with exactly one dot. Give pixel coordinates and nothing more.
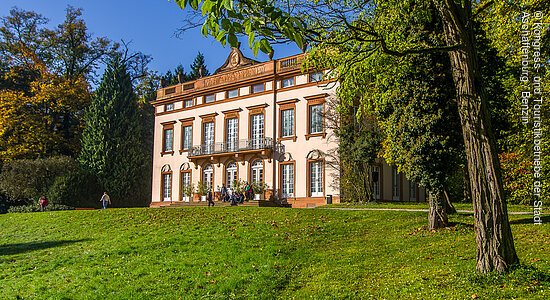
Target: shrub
(77, 189)
(517, 176)
(35, 208)
(26, 179)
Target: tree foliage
(113, 139)
(353, 31)
(44, 83)
(26, 179)
(198, 67)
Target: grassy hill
(259, 253)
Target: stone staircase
(252, 203)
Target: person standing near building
(105, 200)
(224, 193)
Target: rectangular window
(188, 103)
(287, 120)
(168, 143)
(257, 131)
(316, 118)
(287, 176)
(316, 178)
(315, 77)
(169, 107)
(412, 191)
(395, 183)
(210, 98)
(208, 137)
(233, 93)
(167, 187)
(231, 129)
(287, 82)
(187, 137)
(258, 88)
(376, 182)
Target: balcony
(263, 146)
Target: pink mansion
(255, 122)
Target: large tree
(112, 141)
(323, 24)
(44, 81)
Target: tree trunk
(495, 244)
(437, 217)
(449, 207)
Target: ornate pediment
(235, 60)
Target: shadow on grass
(10, 249)
(529, 220)
(520, 274)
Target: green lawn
(259, 253)
(422, 205)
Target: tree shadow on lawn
(529, 220)
(10, 249)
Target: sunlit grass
(260, 253)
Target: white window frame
(316, 178)
(232, 134)
(208, 136)
(287, 178)
(187, 142)
(168, 140)
(287, 118)
(315, 118)
(230, 174)
(167, 187)
(257, 171)
(208, 176)
(258, 124)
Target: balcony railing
(235, 146)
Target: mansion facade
(254, 122)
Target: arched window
(230, 174)
(185, 181)
(166, 183)
(208, 175)
(257, 171)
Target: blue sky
(148, 24)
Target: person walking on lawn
(209, 198)
(105, 200)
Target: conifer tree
(198, 68)
(112, 139)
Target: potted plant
(187, 192)
(202, 189)
(259, 188)
(238, 186)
